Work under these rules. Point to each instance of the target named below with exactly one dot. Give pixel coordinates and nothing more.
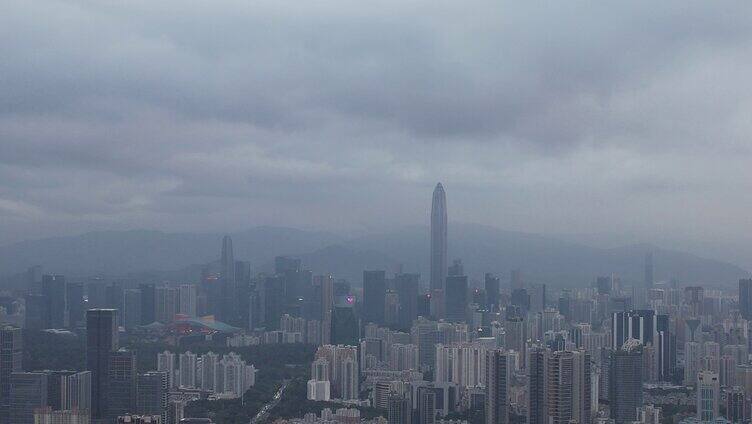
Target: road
(264, 412)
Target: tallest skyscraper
(228, 284)
(438, 238)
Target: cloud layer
(628, 117)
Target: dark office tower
(11, 352)
(492, 291)
(53, 288)
(438, 238)
(131, 308)
(538, 297)
(95, 295)
(639, 325)
(327, 296)
(345, 326)
(603, 285)
(497, 406)
(152, 394)
(521, 299)
(101, 342)
(426, 406)
(456, 269)
(148, 307)
(227, 307)
(121, 391)
(74, 297)
(745, 298)
(36, 307)
(399, 410)
(666, 346)
(537, 408)
(34, 279)
(456, 298)
(625, 378)
(28, 391)
(737, 409)
(272, 298)
(515, 280)
(565, 305)
(374, 296)
(407, 290)
(649, 279)
(568, 387)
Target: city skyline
(423, 212)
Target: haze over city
(617, 123)
(392, 212)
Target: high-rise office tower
(708, 396)
(272, 298)
(407, 291)
(345, 326)
(167, 300)
(121, 390)
(537, 297)
(147, 303)
(326, 282)
(456, 269)
(456, 298)
(438, 238)
(666, 347)
(497, 383)
(28, 392)
(745, 298)
(54, 290)
(228, 301)
(640, 325)
(114, 297)
(131, 308)
(515, 280)
(101, 342)
(426, 406)
(603, 285)
(75, 391)
(492, 286)
(11, 352)
(625, 378)
(737, 409)
(649, 278)
(568, 387)
(36, 307)
(152, 394)
(399, 410)
(187, 297)
(74, 298)
(537, 409)
(516, 336)
(374, 296)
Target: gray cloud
(557, 117)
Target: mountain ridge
(482, 248)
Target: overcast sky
(625, 117)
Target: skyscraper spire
(438, 238)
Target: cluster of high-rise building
(503, 348)
(226, 376)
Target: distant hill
(126, 252)
(482, 249)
